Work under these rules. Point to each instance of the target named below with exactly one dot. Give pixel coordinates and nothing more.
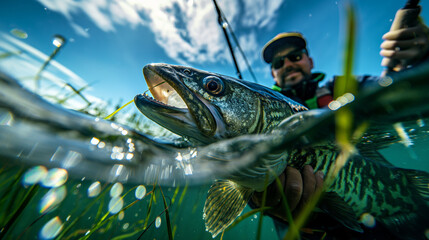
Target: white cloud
(80, 30)
(187, 30)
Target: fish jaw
(189, 116)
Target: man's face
(292, 70)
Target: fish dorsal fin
(225, 202)
(420, 180)
(374, 155)
(338, 209)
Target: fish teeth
(154, 100)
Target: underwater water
(51, 192)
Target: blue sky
(109, 42)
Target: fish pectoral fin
(225, 202)
(338, 209)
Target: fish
(265, 126)
(34, 131)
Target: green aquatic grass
(19, 210)
(264, 199)
(9, 54)
(103, 222)
(167, 216)
(83, 213)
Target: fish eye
(213, 85)
(187, 72)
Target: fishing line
(119, 109)
(145, 92)
(222, 20)
(128, 103)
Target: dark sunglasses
(294, 56)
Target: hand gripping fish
(268, 127)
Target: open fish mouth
(173, 105)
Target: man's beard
(293, 81)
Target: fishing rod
(405, 17)
(241, 50)
(223, 24)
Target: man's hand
(298, 189)
(408, 45)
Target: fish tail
(225, 202)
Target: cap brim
(272, 46)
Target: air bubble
(94, 189)
(116, 190)
(115, 205)
(34, 175)
(140, 192)
(51, 228)
(56, 177)
(158, 222)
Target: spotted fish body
(217, 107)
(394, 197)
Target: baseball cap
(280, 40)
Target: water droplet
(94, 141)
(158, 222)
(350, 97)
(420, 122)
(385, 81)
(94, 189)
(6, 118)
(52, 198)
(19, 33)
(342, 100)
(140, 192)
(116, 190)
(101, 145)
(55, 177)
(115, 205)
(34, 175)
(121, 216)
(368, 220)
(126, 225)
(58, 41)
(334, 105)
(51, 228)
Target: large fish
(206, 107)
